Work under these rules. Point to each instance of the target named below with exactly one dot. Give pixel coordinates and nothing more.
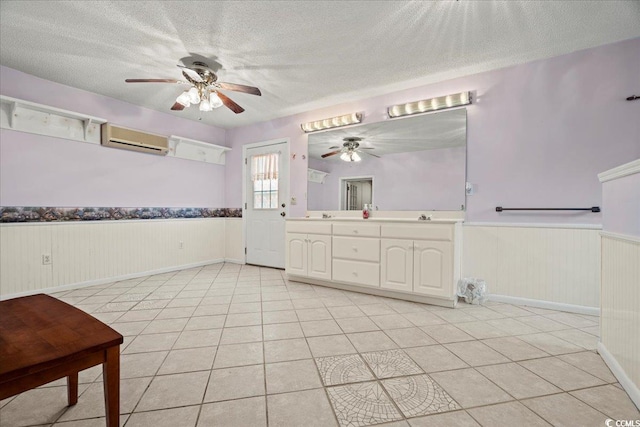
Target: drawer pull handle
(355, 231)
(355, 249)
(355, 273)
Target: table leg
(111, 380)
(72, 389)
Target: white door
(319, 257)
(396, 264)
(433, 268)
(266, 203)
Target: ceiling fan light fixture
(215, 100)
(355, 157)
(431, 104)
(205, 105)
(194, 96)
(184, 99)
(333, 122)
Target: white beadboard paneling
(21, 253)
(85, 252)
(620, 298)
(234, 243)
(560, 265)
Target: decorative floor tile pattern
(419, 395)
(391, 363)
(335, 370)
(200, 324)
(362, 404)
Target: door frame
(245, 202)
(342, 186)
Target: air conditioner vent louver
(127, 139)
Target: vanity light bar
(334, 122)
(426, 105)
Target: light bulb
(355, 157)
(205, 105)
(215, 100)
(345, 157)
(184, 99)
(194, 96)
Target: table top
(38, 332)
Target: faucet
(325, 215)
(423, 217)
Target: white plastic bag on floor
(474, 291)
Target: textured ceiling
(302, 55)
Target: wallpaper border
(11, 214)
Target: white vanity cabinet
(309, 254)
(420, 266)
(414, 260)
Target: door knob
(282, 214)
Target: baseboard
(632, 389)
(550, 305)
(87, 283)
(234, 261)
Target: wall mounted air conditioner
(127, 139)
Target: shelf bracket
(13, 114)
(85, 127)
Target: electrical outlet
(46, 259)
(181, 245)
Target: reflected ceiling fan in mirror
(205, 89)
(350, 149)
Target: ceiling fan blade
(334, 147)
(239, 88)
(333, 153)
(366, 148)
(366, 152)
(191, 73)
(177, 107)
(230, 104)
(153, 81)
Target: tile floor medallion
(335, 370)
(238, 345)
(419, 395)
(391, 363)
(362, 404)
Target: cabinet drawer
(418, 231)
(358, 248)
(358, 272)
(360, 230)
(309, 227)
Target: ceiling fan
(350, 149)
(205, 89)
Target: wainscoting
(547, 266)
(92, 252)
(620, 319)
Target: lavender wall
(621, 205)
(37, 170)
(538, 133)
(420, 180)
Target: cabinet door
(319, 257)
(433, 268)
(296, 254)
(396, 264)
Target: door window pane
(264, 174)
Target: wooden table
(43, 339)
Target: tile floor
(231, 345)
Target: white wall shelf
(30, 117)
(314, 175)
(191, 149)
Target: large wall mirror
(414, 163)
